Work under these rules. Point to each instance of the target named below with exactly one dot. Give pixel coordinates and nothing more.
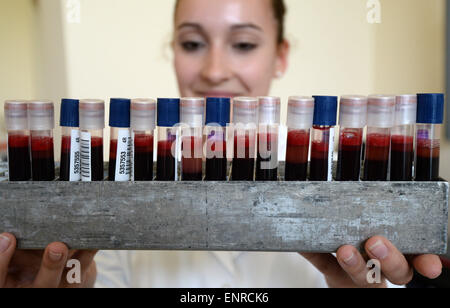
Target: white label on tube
(177, 151)
(331, 155)
(75, 164)
(123, 156)
(132, 156)
(86, 170)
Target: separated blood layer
(243, 165)
(143, 157)
(349, 159)
(112, 160)
(377, 157)
(402, 157)
(43, 160)
(97, 172)
(427, 164)
(19, 158)
(216, 167)
(166, 162)
(297, 156)
(320, 156)
(66, 143)
(266, 143)
(192, 162)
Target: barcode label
(75, 161)
(331, 154)
(85, 151)
(123, 166)
(132, 155)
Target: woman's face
(227, 48)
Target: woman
(222, 48)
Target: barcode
(128, 163)
(85, 145)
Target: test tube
(168, 117)
(70, 141)
(352, 121)
(430, 116)
(192, 118)
(41, 123)
(217, 119)
(16, 120)
(380, 120)
(245, 120)
(120, 140)
(143, 122)
(402, 140)
(268, 130)
(92, 124)
(322, 143)
(299, 122)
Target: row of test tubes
(402, 133)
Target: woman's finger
(52, 266)
(353, 263)
(7, 248)
(88, 272)
(393, 263)
(429, 266)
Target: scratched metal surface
(244, 216)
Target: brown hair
(279, 11)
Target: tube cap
(41, 115)
(119, 112)
(218, 111)
(69, 113)
(405, 110)
(16, 115)
(300, 112)
(381, 111)
(168, 112)
(353, 111)
(92, 114)
(192, 110)
(430, 108)
(245, 110)
(325, 110)
(143, 114)
(269, 110)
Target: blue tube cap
(168, 112)
(69, 113)
(218, 111)
(430, 108)
(325, 110)
(119, 112)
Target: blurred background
(120, 48)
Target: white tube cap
(92, 114)
(300, 112)
(41, 115)
(192, 111)
(143, 114)
(245, 110)
(381, 111)
(269, 110)
(406, 109)
(353, 111)
(16, 115)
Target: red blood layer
(66, 144)
(42, 147)
(191, 164)
(113, 150)
(319, 150)
(428, 148)
(297, 147)
(402, 143)
(18, 141)
(378, 147)
(143, 143)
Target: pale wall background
(120, 48)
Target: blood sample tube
(70, 141)
(268, 127)
(192, 119)
(322, 141)
(299, 122)
(352, 121)
(143, 122)
(402, 139)
(16, 120)
(217, 119)
(120, 143)
(92, 124)
(430, 111)
(380, 120)
(168, 117)
(245, 120)
(41, 123)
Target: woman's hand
(349, 268)
(42, 269)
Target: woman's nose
(216, 69)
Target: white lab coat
(141, 269)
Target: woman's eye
(191, 46)
(244, 46)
